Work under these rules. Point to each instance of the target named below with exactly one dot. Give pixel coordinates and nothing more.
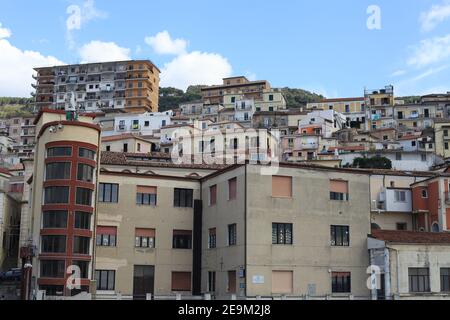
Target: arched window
(435, 227)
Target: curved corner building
(63, 201)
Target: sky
(334, 48)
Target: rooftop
(395, 236)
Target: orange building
(431, 204)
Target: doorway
(143, 281)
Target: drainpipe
(387, 274)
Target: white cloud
(4, 32)
(98, 51)
(17, 65)
(415, 85)
(195, 68)
(429, 51)
(437, 14)
(162, 43)
(398, 73)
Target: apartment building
(213, 95)
(145, 124)
(352, 108)
(9, 221)
(271, 236)
(416, 116)
(132, 86)
(127, 143)
(379, 105)
(442, 137)
(63, 210)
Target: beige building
(410, 265)
(442, 137)
(271, 236)
(126, 143)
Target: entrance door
(143, 281)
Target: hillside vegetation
(15, 107)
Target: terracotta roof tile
(411, 237)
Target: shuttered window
(281, 187)
(181, 281)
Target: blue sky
(323, 46)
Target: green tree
(376, 162)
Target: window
(281, 233)
(402, 226)
(56, 195)
(400, 196)
(182, 239)
(57, 170)
(182, 198)
(419, 279)
(339, 190)
(85, 173)
(82, 220)
(181, 281)
(445, 133)
(81, 245)
(212, 195)
(413, 143)
(282, 282)
(423, 157)
(398, 156)
(106, 236)
(232, 234)
(86, 153)
(211, 281)
(53, 244)
(52, 268)
(232, 189)
(446, 145)
(138, 147)
(270, 97)
(270, 109)
(55, 219)
(84, 268)
(424, 193)
(125, 147)
(212, 239)
(105, 279)
(84, 196)
(146, 196)
(445, 279)
(281, 187)
(144, 238)
(340, 282)
(59, 152)
(340, 236)
(108, 192)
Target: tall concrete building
(132, 86)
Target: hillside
(171, 98)
(15, 107)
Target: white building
(142, 124)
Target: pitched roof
(395, 236)
(122, 137)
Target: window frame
(342, 231)
(281, 230)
